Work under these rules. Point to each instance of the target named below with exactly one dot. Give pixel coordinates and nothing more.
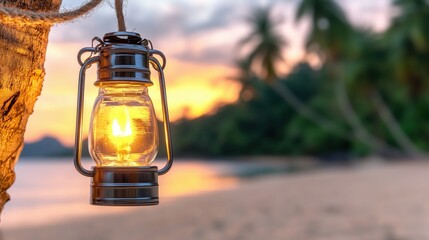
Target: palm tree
(335, 40)
(330, 32)
(409, 36)
(22, 53)
(373, 78)
(267, 45)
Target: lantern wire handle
(79, 112)
(91, 50)
(167, 132)
(159, 53)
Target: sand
(369, 202)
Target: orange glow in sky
(199, 40)
(193, 89)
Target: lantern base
(125, 186)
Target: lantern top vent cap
(122, 37)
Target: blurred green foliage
(264, 124)
(370, 95)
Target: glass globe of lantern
(123, 130)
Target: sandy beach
(369, 202)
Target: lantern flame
(117, 130)
(122, 138)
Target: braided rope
(26, 17)
(120, 14)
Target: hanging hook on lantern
(92, 50)
(160, 54)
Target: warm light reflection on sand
(46, 192)
(191, 179)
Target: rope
(120, 15)
(26, 17)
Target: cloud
(158, 19)
(152, 22)
(212, 55)
(194, 31)
(222, 16)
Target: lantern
(123, 133)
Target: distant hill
(46, 147)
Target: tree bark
(22, 55)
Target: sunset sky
(198, 37)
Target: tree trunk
(22, 55)
(307, 112)
(393, 126)
(352, 118)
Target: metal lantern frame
(122, 58)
